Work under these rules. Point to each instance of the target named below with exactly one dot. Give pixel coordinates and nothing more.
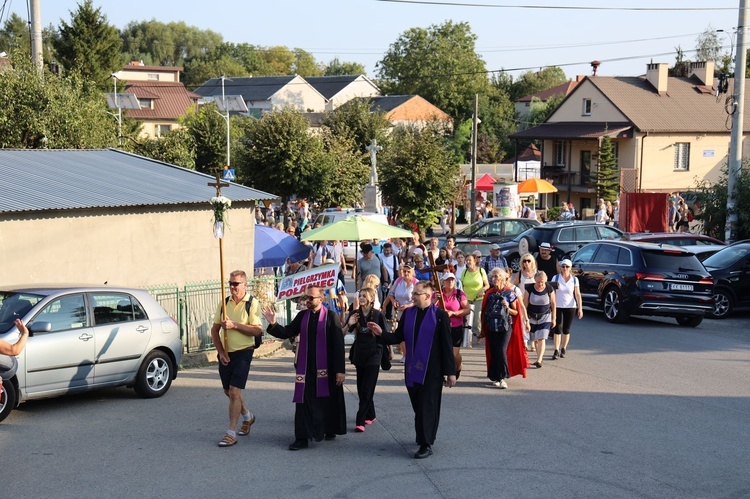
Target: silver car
(87, 337)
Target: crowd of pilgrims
(541, 300)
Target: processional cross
(219, 184)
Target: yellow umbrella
(538, 186)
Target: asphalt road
(645, 409)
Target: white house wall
(141, 247)
(357, 88)
(300, 95)
(602, 110)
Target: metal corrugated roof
(43, 179)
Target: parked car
(331, 215)
(566, 237)
(730, 269)
(703, 251)
(628, 278)
(673, 238)
(483, 233)
(86, 337)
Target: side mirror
(39, 327)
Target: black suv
(623, 278)
(730, 268)
(566, 237)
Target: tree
(355, 122)
(681, 65)
(713, 202)
(540, 111)
(14, 36)
(344, 172)
(176, 147)
(278, 154)
(52, 112)
(89, 45)
(708, 46)
(305, 64)
(438, 63)
(208, 131)
(167, 44)
(607, 174)
(340, 68)
(418, 173)
(531, 82)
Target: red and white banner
(294, 285)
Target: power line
(558, 7)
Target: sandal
(227, 441)
(245, 426)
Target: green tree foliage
(343, 171)
(208, 130)
(607, 174)
(169, 44)
(89, 45)
(305, 64)
(438, 63)
(52, 112)
(177, 148)
(713, 201)
(278, 154)
(199, 71)
(14, 37)
(355, 122)
(540, 111)
(417, 173)
(341, 68)
(530, 82)
(708, 46)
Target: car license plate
(681, 287)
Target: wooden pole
(435, 278)
(219, 184)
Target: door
(122, 333)
(63, 358)
(582, 269)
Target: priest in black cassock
(429, 361)
(318, 391)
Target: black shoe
(423, 452)
(538, 365)
(458, 373)
(298, 444)
(555, 355)
(330, 436)
(562, 353)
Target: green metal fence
(194, 306)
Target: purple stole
(418, 354)
(321, 357)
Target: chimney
(704, 71)
(657, 74)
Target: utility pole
(36, 35)
(474, 125)
(735, 144)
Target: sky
(515, 39)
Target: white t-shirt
(390, 262)
(564, 294)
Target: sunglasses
(310, 298)
(527, 261)
(234, 283)
(565, 266)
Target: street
(643, 409)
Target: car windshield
(471, 229)
(726, 257)
(14, 306)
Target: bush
(713, 202)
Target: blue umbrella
(273, 247)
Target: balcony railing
(561, 177)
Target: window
(152, 77)
(585, 254)
(607, 254)
(67, 312)
(682, 156)
(162, 130)
(559, 159)
(586, 234)
(566, 235)
(116, 307)
(146, 103)
(587, 107)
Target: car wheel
(8, 399)
(154, 376)
(723, 304)
(515, 262)
(691, 321)
(527, 244)
(613, 306)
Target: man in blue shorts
(242, 325)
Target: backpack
(248, 304)
(496, 315)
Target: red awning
(485, 183)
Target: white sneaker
(497, 384)
(502, 384)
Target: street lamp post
(226, 116)
(119, 112)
